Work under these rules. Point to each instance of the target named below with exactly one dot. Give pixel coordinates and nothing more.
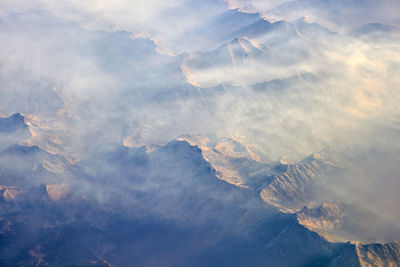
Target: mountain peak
(13, 123)
(13, 129)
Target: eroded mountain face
(153, 133)
(174, 193)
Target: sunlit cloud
(90, 76)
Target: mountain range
(199, 133)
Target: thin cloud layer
(92, 75)
(336, 15)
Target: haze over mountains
(199, 133)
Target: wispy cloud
(100, 73)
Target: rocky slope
(290, 187)
(168, 194)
